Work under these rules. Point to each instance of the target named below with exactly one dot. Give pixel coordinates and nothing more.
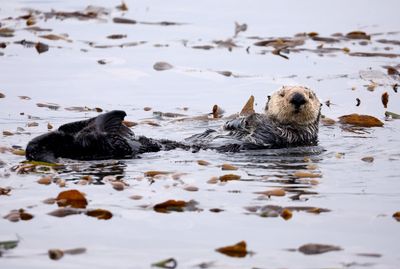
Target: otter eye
(311, 96)
(282, 94)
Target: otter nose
(298, 100)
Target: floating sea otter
(290, 118)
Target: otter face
(47, 147)
(293, 105)
(36, 152)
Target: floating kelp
(176, 206)
(162, 23)
(239, 250)
(54, 37)
(361, 120)
(162, 66)
(312, 249)
(124, 21)
(6, 32)
(240, 28)
(89, 13)
(17, 215)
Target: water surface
(361, 196)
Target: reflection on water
(97, 170)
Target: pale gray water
(362, 196)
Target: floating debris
(229, 44)
(358, 35)
(168, 114)
(240, 28)
(155, 173)
(170, 263)
(162, 66)
(6, 245)
(203, 47)
(17, 215)
(122, 7)
(162, 23)
(45, 180)
(248, 108)
(369, 255)
(239, 250)
(64, 212)
(397, 215)
(5, 191)
(51, 106)
(136, 197)
(8, 133)
(360, 120)
(312, 249)
(306, 174)
(217, 112)
(275, 192)
(202, 162)
(367, 159)
(286, 214)
(56, 37)
(37, 29)
(41, 47)
(392, 115)
(129, 123)
(176, 206)
(6, 32)
(124, 21)
(89, 13)
(374, 54)
(118, 185)
(23, 97)
(327, 121)
(56, 254)
(385, 99)
(99, 214)
(229, 177)
(102, 62)
(227, 166)
(116, 36)
(273, 211)
(191, 188)
(73, 198)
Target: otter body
(102, 137)
(290, 119)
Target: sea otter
(102, 137)
(290, 119)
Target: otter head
(295, 105)
(48, 147)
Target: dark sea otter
(102, 137)
(291, 118)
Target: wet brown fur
(280, 109)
